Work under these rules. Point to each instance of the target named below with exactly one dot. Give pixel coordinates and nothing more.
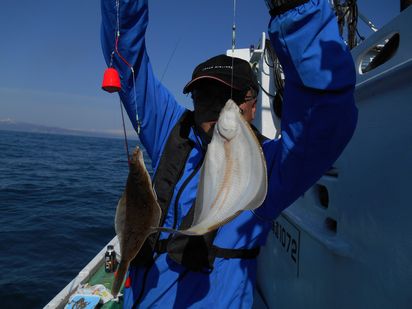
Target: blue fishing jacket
(319, 117)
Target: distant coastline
(12, 125)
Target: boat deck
(93, 273)
(102, 277)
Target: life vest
(196, 253)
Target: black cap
(220, 68)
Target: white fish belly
(233, 176)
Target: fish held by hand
(233, 175)
(137, 215)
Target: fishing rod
(405, 4)
(368, 22)
(347, 13)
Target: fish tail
(119, 277)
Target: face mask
(209, 97)
(206, 137)
(208, 110)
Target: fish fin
(173, 231)
(166, 229)
(119, 277)
(120, 216)
(200, 229)
(154, 192)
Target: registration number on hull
(288, 238)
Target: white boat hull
(347, 243)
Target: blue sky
(52, 65)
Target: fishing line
(124, 131)
(170, 59)
(125, 61)
(233, 45)
(116, 51)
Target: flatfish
(233, 176)
(137, 215)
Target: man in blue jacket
(318, 119)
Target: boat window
(323, 196)
(380, 53)
(331, 224)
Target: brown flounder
(137, 215)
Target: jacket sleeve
(319, 114)
(145, 99)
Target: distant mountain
(12, 125)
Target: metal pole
(405, 4)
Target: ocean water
(58, 196)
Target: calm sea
(58, 196)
